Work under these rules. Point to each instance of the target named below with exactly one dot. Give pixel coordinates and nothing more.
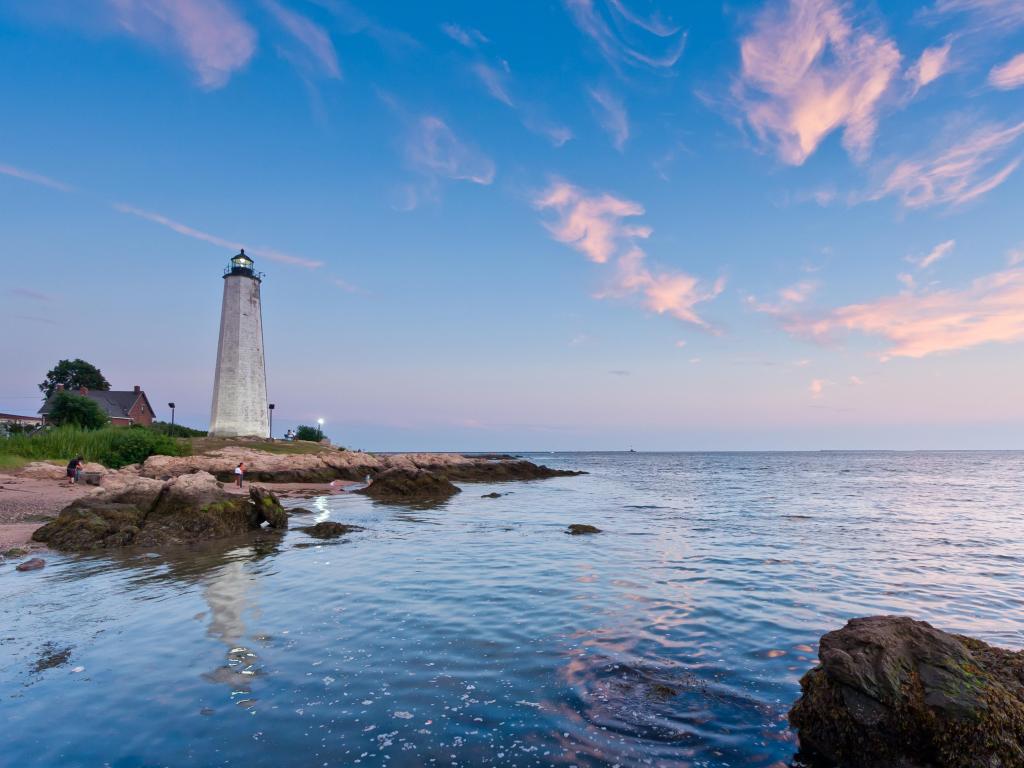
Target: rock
(31, 565)
(145, 512)
(579, 529)
(43, 470)
(329, 530)
(409, 485)
(14, 552)
(890, 691)
(494, 495)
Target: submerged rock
(579, 529)
(328, 530)
(891, 691)
(409, 485)
(31, 565)
(145, 512)
(494, 495)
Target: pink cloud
(990, 309)
(817, 388)
(789, 298)
(34, 178)
(619, 34)
(493, 81)
(214, 39)
(940, 251)
(435, 149)
(220, 242)
(956, 174)
(1009, 75)
(466, 36)
(311, 36)
(594, 225)
(613, 117)
(807, 71)
(932, 65)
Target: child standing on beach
(74, 470)
(239, 473)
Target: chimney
(60, 388)
(83, 390)
(138, 389)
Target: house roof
(116, 404)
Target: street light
(171, 406)
(319, 429)
(271, 409)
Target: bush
(313, 434)
(175, 430)
(112, 447)
(76, 410)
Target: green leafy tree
(68, 409)
(313, 434)
(74, 374)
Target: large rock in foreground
(151, 513)
(409, 486)
(891, 692)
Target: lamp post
(171, 406)
(319, 429)
(270, 408)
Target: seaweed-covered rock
(328, 530)
(890, 691)
(31, 565)
(151, 513)
(580, 529)
(409, 485)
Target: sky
(561, 225)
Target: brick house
(123, 407)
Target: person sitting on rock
(239, 473)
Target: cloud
(932, 65)
(346, 286)
(468, 37)
(856, 381)
(620, 34)
(311, 36)
(995, 15)
(789, 298)
(1014, 257)
(595, 226)
(493, 81)
(434, 149)
(956, 174)
(817, 388)
(28, 293)
(807, 71)
(212, 37)
(619, 373)
(1009, 75)
(613, 117)
(938, 252)
(990, 309)
(220, 242)
(34, 178)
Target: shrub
(113, 447)
(76, 410)
(175, 430)
(313, 434)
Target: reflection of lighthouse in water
(228, 595)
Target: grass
(9, 461)
(113, 447)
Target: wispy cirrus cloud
(956, 174)
(1008, 75)
(34, 178)
(494, 80)
(28, 293)
(434, 149)
(624, 37)
(808, 71)
(787, 302)
(220, 242)
(995, 15)
(918, 324)
(318, 50)
(596, 226)
(210, 34)
(933, 63)
(497, 80)
(466, 36)
(940, 251)
(612, 115)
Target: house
(124, 408)
(12, 422)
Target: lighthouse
(240, 383)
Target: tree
(74, 374)
(76, 410)
(313, 434)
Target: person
(74, 470)
(239, 473)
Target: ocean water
(479, 633)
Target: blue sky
(539, 225)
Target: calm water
(478, 633)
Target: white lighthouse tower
(240, 385)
